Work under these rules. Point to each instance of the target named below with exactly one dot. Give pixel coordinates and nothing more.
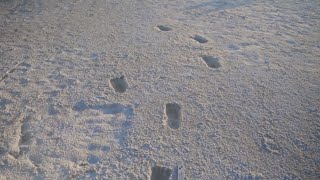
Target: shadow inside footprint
(92, 159)
(160, 173)
(173, 112)
(163, 28)
(200, 39)
(25, 65)
(3, 103)
(80, 106)
(233, 47)
(212, 61)
(119, 84)
(23, 82)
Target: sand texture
(160, 89)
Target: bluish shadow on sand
(219, 5)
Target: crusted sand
(115, 89)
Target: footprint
(80, 106)
(23, 137)
(212, 61)
(245, 44)
(164, 28)
(301, 145)
(160, 173)
(269, 145)
(96, 147)
(106, 149)
(3, 103)
(119, 84)
(173, 113)
(53, 110)
(54, 93)
(93, 147)
(3, 148)
(114, 108)
(25, 65)
(290, 42)
(233, 47)
(13, 93)
(24, 82)
(316, 134)
(92, 159)
(200, 39)
(26, 133)
(94, 56)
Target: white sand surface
(108, 89)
